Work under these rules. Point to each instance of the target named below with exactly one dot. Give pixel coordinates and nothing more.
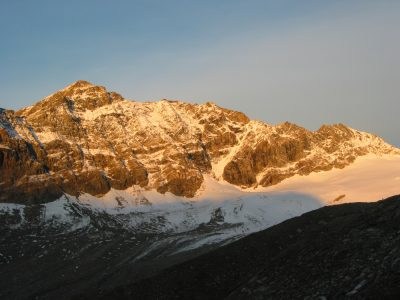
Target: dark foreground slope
(350, 250)
(43, 257)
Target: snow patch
(370, 178)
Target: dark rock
(275, 264)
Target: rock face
(83, 139)
(348, 251)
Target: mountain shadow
(335, 252)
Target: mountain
(84, 139)
(97, 191)
(348, 251)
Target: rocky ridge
(84, 139)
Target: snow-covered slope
(225, 210)
(369, 178)
(219, 211)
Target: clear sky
(309, 62)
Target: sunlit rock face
(84, 139)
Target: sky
(307, 62)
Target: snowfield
(228, 211)
(369, 178)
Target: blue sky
(309, 62)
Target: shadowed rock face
(84, 139)
(348, 251)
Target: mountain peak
(81, 95)
(80, 87)
(79, 84)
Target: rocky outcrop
(84, 139)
